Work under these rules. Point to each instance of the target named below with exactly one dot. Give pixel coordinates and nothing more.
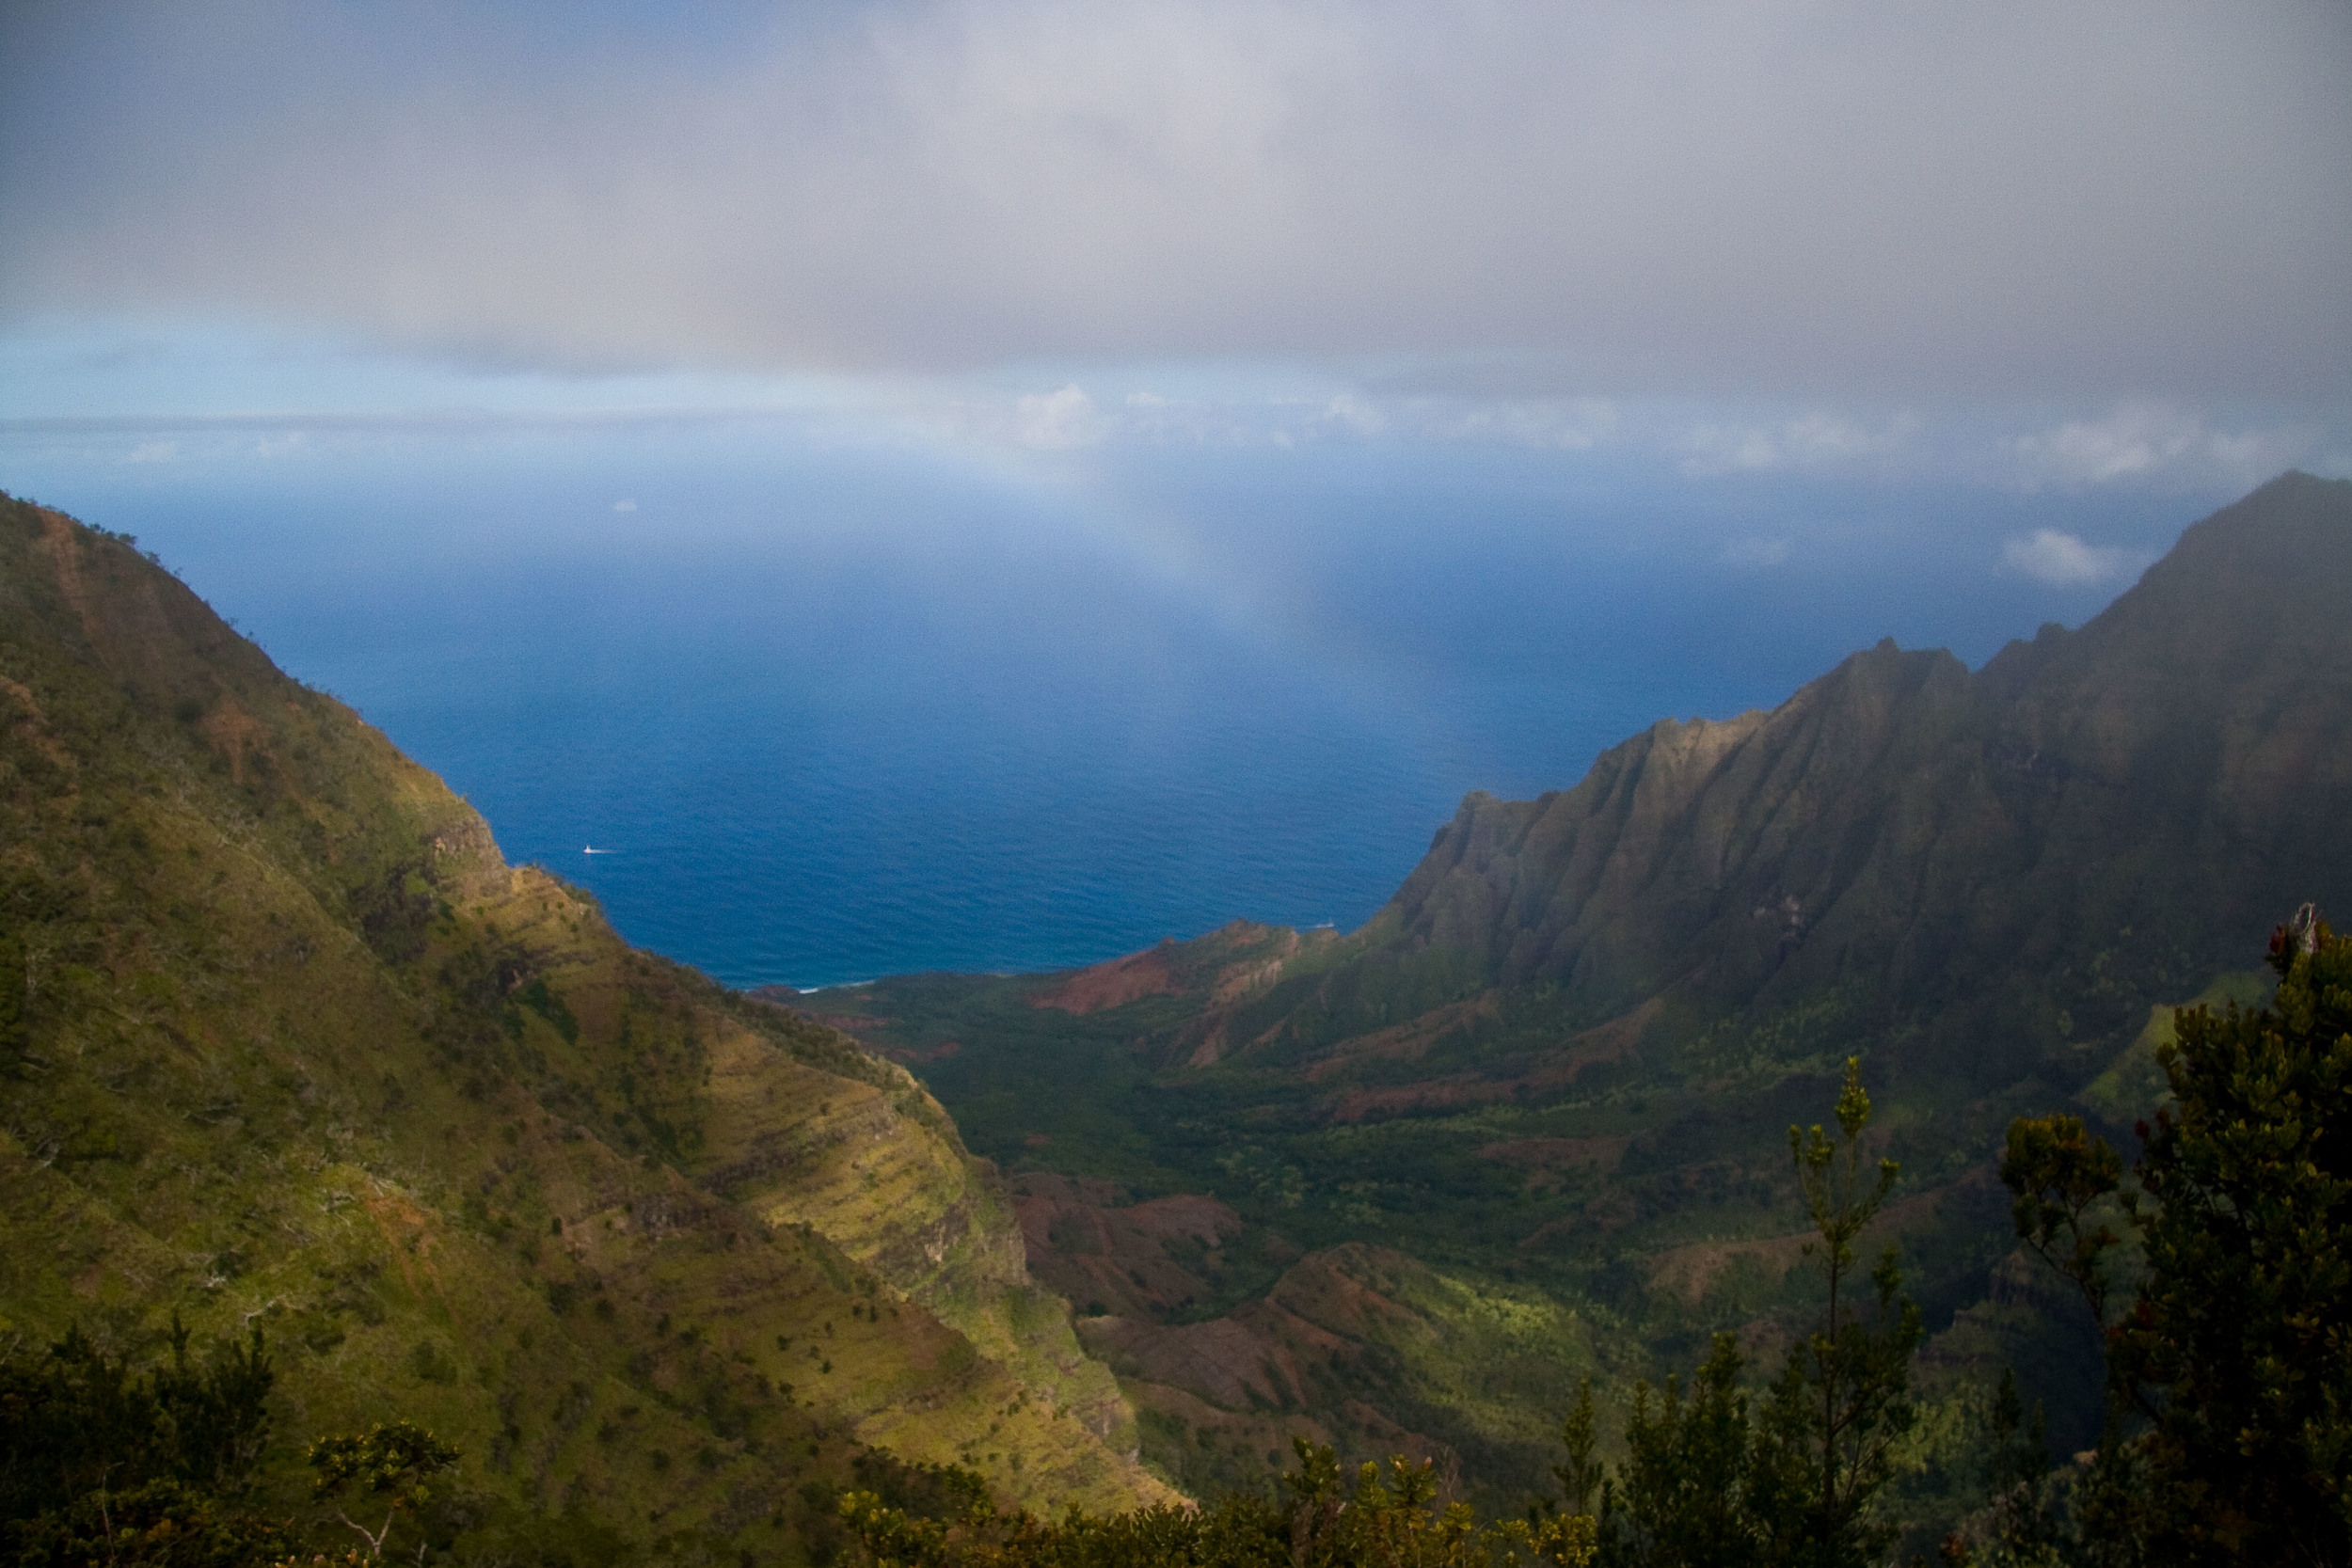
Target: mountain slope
(1564, 1058)
(284, 1042)
(2177, 757)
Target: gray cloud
(2003, 199)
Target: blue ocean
(828, 712)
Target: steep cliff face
(871, 1164)
(1663, 858)
(2137, 798)
(1564, 1057)
(284, 1042)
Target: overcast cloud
(2148, 201)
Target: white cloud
(1070, 418)
(1354, 415)
(625, 506)
(1812, 439)
(1067, 418)
(2062, 559)
(155, 452)
(2146, 440)
(1569, 424)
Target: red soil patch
(1236, 981)
(407, 1231)
(1112, 985)
(1342, 1291)
(1613, 1041)
(33, 726)
(1406, 1041)
(1141, 1258)
(1258, 1354)
(233, 732)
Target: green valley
(1401, 1190)
(688, 1275)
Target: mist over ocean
(845, 711)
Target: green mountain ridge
(1554, 1074)
(285, 1043)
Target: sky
(2011, 249)
(1371, 342)
(2127, 230)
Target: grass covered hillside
(1531, 1122)
(285, 1044)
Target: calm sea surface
(841, 714)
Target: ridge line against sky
(1023, 477)
(2017, 248)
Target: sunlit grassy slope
(284, 1042)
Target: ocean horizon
(844, 713)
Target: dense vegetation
(1405, 1189)
(362, 1194)
(286, 1047)
(2230, 1438)
(2229, 1372)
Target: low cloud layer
(2063, 561)
(1796, 201)
(2141, 439)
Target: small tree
(2243, 1328)
(1703, 1484)
(395, 1461)
(219, 1414)
(1583, 1479)
(2237, 1351)
(1687, 1499)
(1844, 1399)
(99, 1464)
(2060, 1173)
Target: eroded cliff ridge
(1533, 1114)
(285, 1043)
